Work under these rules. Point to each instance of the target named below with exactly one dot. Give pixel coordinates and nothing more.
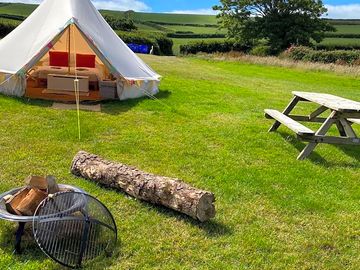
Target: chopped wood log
(169, 192)
(28, 205)
(14, 201)
(52, 186)
(36, 182)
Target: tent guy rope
(76, 84)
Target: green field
(273, 212)
(196, 30)
(16, 9)
(348, 29)
(341, 41)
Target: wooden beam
(317, 112)
(332, 140)
(69, 44)
(349, 131)
(290, 123)
(321, 132)
(287, 111)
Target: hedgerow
(212, 47)
(6, 28)
(322, 56)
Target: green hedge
(13, 17)
(341, 35)
(212, 47)
(332, 47)
(162, 45)
(311, 55)
(6, 28)
(343, 21)
(189, 35)
(186, 24)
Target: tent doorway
(70, 57)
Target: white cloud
(204, 11)
(350, 11)
(121, 5)
(136, 5)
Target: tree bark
(169, 192)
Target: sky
(337, 9)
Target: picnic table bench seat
(355, 121)
(290, 123)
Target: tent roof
(25, 43)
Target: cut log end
(206, 208)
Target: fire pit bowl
(4, 214)
(22, 220)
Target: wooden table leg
(341, 129)
(287, 111)
(349, 131)
(322, 131)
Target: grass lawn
(273, 212)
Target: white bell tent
(75, 27)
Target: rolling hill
(186, 28)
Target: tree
(280, 23)
(123, 24)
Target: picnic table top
(330, 101)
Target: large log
(169, 192)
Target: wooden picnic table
(343, 113)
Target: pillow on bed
(85, 60)
(59, 59)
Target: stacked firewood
(25, 202)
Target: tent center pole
(69, 44)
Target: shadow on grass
(113, 107)
(116, 107)
(212, 228)
(28, 101)
(31, 252)
(351, 151)
(299, 145)
(29, 249)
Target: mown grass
(273, 212)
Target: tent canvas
(46, 28)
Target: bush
(6, 28)
(162, 45)
(120, 23)
(213, 47)
(311, 55)
(261, 50)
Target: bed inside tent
(70, 57)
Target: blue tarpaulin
(138, 48)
